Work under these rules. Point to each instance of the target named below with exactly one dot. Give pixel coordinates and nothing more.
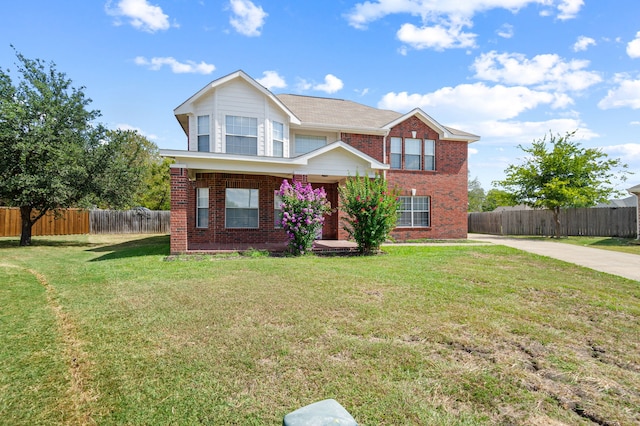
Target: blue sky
(510, 71)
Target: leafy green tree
(496, 198)
(476, 195)
(372, 211)
(562, 175)
(52, 155)
(136, 160)
(155, 193)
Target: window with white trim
(396, 153)
(203, 133)
(278, 139)
(412, 154)
(202, 208)
(429, 154)
(241, 208)
(241, 135)
(308, 143)
(414, 212)
(277, 209)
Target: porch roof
(325, 164)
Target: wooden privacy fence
(137, 221)
(596, 222)
(77, 221)
(70, 221)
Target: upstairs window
(414, 212)
(242, 135)
(278, 139)
(429, 154)
(396, 153)
(412, 154)
(203, 133)
(308, 143)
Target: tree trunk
(27, 224)
(556, 219)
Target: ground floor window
(277, 210)
(414, 212)
(202, 208)
(241, 208)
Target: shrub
(372, 211)
(303, 209)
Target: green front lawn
(108, 330)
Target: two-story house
(242, 141)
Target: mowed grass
(109, 330)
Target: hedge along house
(243, 141)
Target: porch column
(179, 205)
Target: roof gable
(185, 107)
(446, 133)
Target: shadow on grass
(151, 246)
(6, 243)
(613, 242)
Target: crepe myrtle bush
(371, 209)
(303, 209)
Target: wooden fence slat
(597, 222)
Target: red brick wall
(179, 206)
(369, 144)
(216, 235)
(447, 185)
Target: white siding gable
(237, 98)
(337, 163)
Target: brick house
(242, 141)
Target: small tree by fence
(596, 222)
(77, 221)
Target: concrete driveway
(612, 262)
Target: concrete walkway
(612, 262)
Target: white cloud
(477, 100)
(505, 31)
(442, 22)
(510, 132)
(272, 80)
(192, 67)
(569, 9)
(438, 37)
(545, 72)
(331, 84)
(150, 136)
(247, 18)
(141, 14)
(629, 152)
(633, 48)
(472, 151)
(583, 43)
(627, 94)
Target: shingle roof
(337, 112)
(345, 114)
